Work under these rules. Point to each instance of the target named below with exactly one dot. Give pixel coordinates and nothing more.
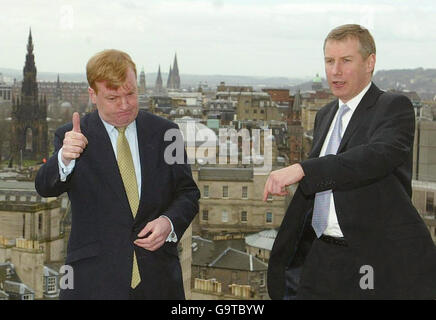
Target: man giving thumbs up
(129, 206)
(74, 142)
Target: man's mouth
(338, 84)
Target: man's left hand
(159, 230)
(278, 180)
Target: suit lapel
(147, 152)
(368, 100)
(103, 154)
(323, 129)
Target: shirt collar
(110, 128)
(353, 103)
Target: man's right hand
(74, 142)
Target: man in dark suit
(351, 231)
(130, 206)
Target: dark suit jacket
(100, 248)
(371, 181)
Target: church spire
(29, 86)
(175, 74)
(158, 86)
(30, 42)
(169, 80)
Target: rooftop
(225, 174)
(263, 240)
(238, 260)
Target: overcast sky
(228, 37)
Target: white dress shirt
(132, 138)
(333, 228)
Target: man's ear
(371, 63)
(92, 95)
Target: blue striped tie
(322, 199)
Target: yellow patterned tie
(127, 170)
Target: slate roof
(238, 260)
(262, 240)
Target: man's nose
(337, 69)
(123, 102)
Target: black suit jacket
(371, 181)
(100, 248)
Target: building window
(224, 216)
(206, 215)
(255, 111)
(206, 191)
(40, 222)
(262, 279)
(270, 198)
(225, 191)
(24, 225)
(244, 216)
(269, 217)
(51, 287)
(247, 111)
(244, 192)
(429, 206)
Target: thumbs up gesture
(74, 142)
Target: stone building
(226, 88)
(11, 286)
(221, 270)
(5, 91)
(424, 152)
(185, 257)
(24, 214)
(311, 103)
(142, 84)
(424, 200)
(261, 243)
(254, 106)
(231, 202)
(284, 101)
(221, 109)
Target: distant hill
(423, 81)
(188, 80)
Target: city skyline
(246, 38)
